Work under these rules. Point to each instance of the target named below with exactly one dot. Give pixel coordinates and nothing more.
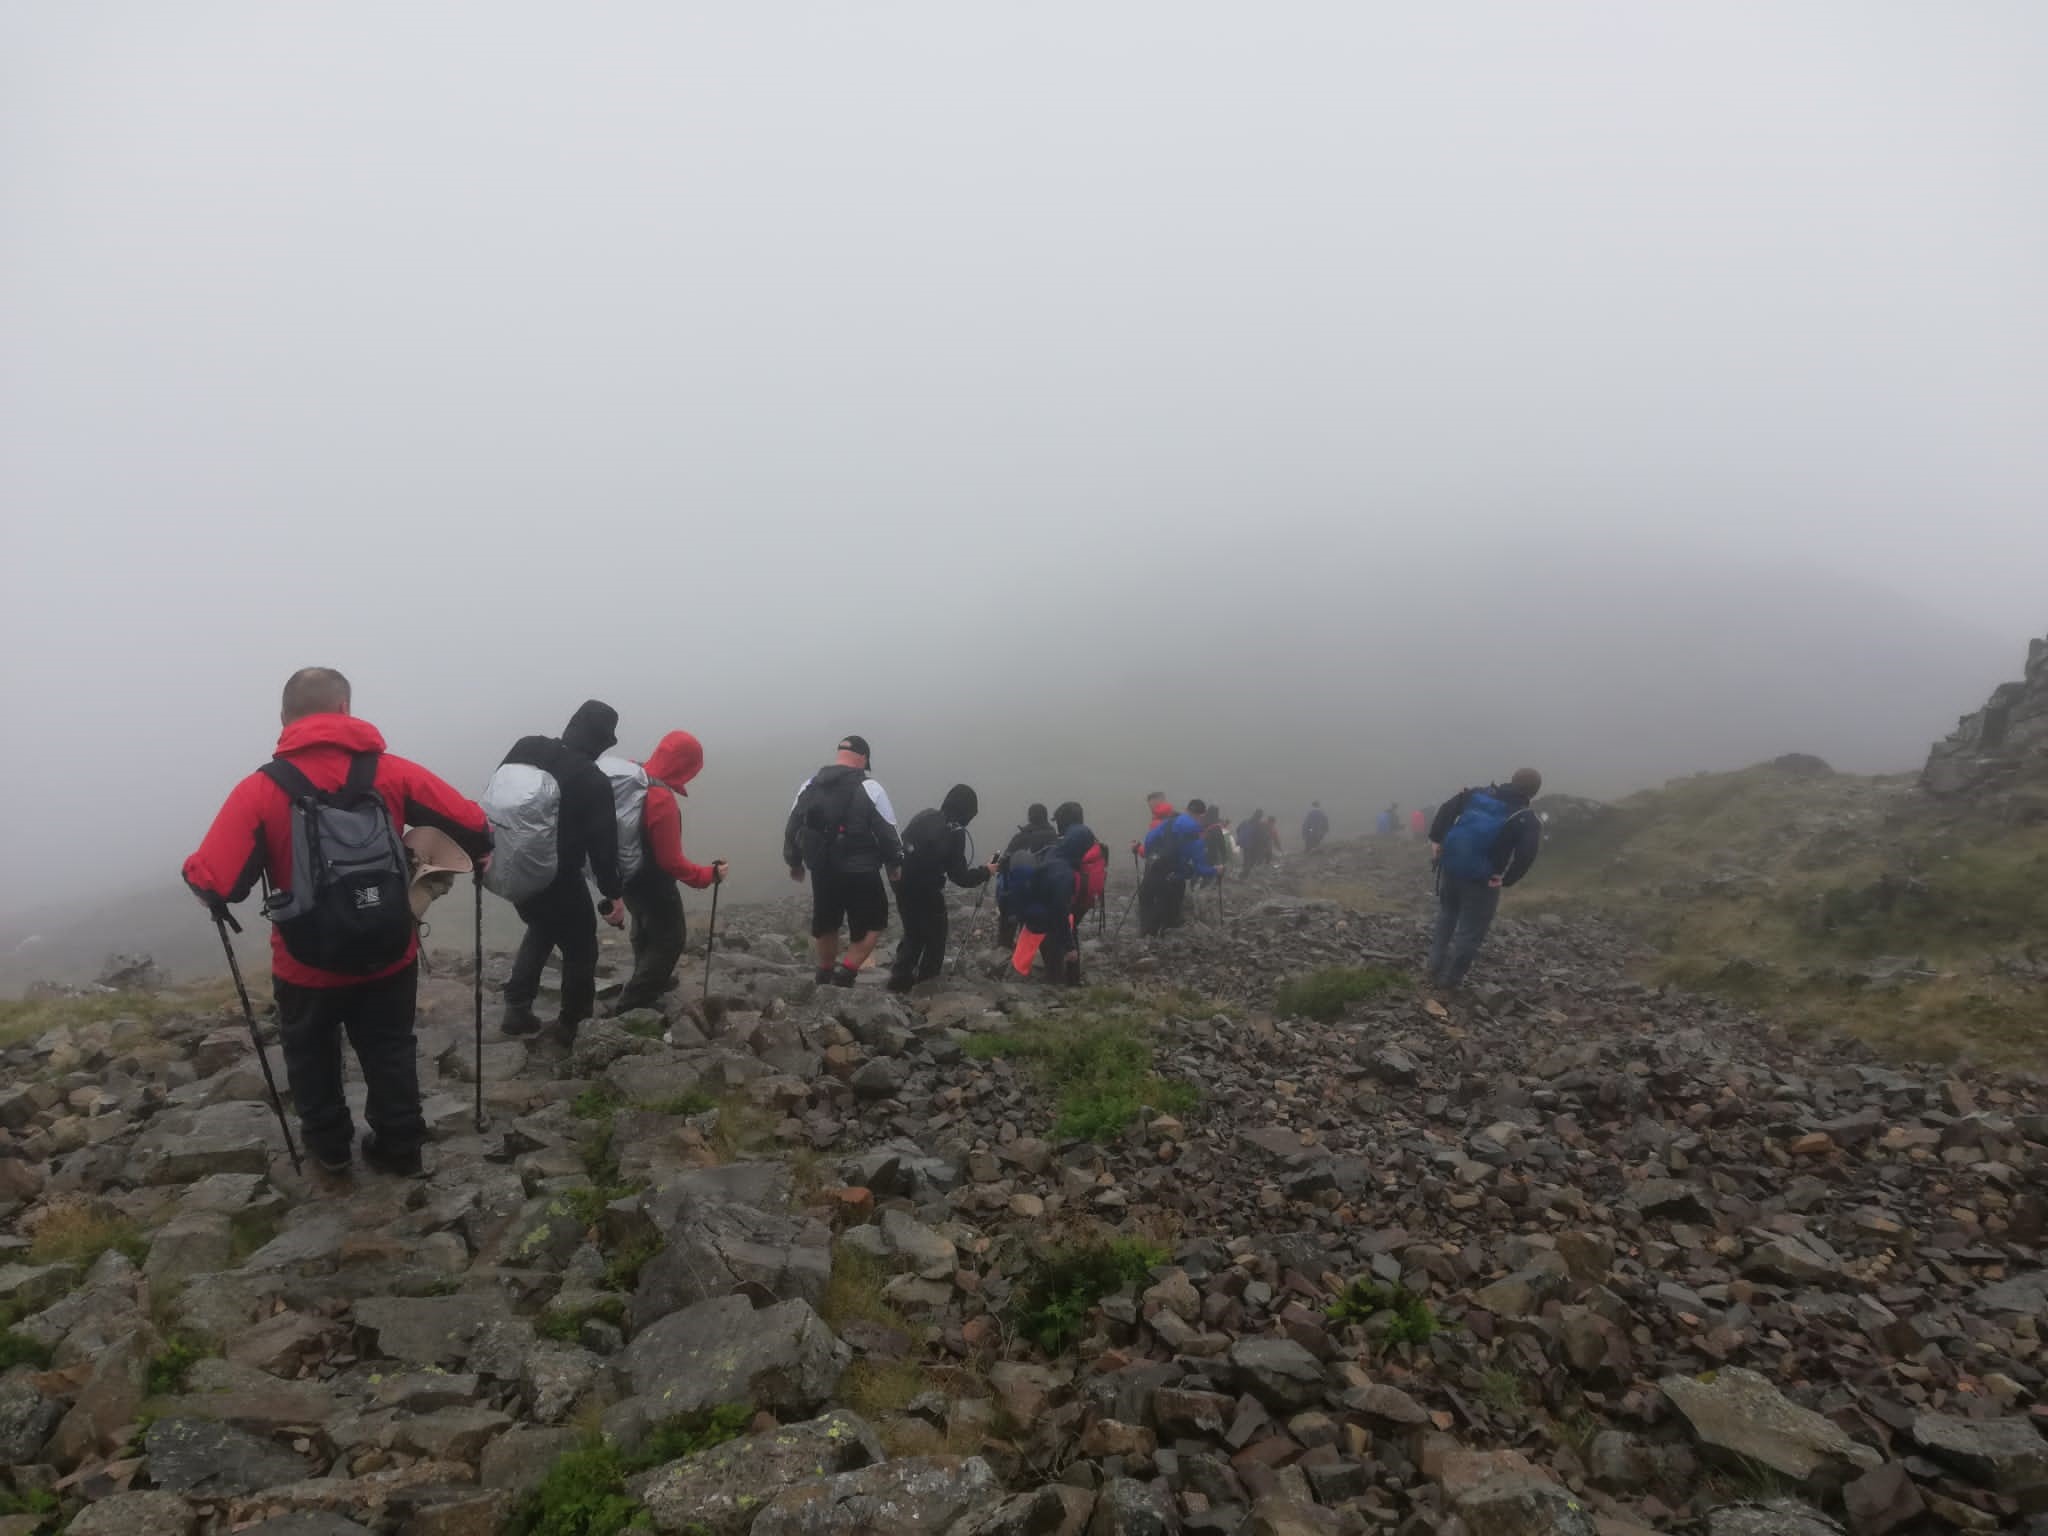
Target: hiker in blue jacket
(1174, 853)
(1484, 840)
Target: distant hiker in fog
(1042, 893)
(552, 813)
(934, 851)
(1484, 840)
(1035, 834)
(1383, 824)
(1173, 854)
(1315, 826)
(1094, 865)
(343, 953)
(1255, 840)
(651, 859)
(1417, 823)
(842, 829)
(1216, 836)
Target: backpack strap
(287, 777)
(362, 773)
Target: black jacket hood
(593, 729)
(960, 805)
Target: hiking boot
(824, 976)
(844, 976)
(560, 1035)
(407, 1164)
(519, 1020)
(900, 984)
(336, 1165)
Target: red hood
(676, 759)
(344, 731)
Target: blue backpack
(1468, 846)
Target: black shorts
(860, 901)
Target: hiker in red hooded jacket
(653, 897)
(252, 838)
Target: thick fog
(1258, 403)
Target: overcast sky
(1001, 373)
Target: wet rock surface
(1559, 1253)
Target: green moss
(695, 1103)
(1052, 1305)
(584, 1492)
(1324, 995)
(566, 1324)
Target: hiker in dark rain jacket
(1484, 841)
(934, 851)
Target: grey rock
(719, 1248)
(195, 1244)
(2027, 1293)
(1126, 1507)
(782, 1358)
(425, 1330)
(1773, 1517)
(26, 1420)
(722, 1489)
(135, 1514)
(305, 1522)
(1278, 1372)
(555, 1377)
(209, 1459)
(1514, 1503)
(1742, 1416)
(910, 1495)
(1055, 1509)
(2005, 1455)
(1881, 1501)
(519, 1458)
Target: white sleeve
(800, 792)
(881, 798)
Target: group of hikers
(320, 826)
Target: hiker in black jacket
(586, 832)
(934, 851)
(1484, 840)
(843, 830)
(1035, 836)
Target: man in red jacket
(652, 896)
(251, 838)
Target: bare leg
(828, 949)
(858, 951)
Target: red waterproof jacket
(1092, 880)
(676, 760)
(252, 835)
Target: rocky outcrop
(2005, 740)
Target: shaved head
(314, 691)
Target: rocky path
(1560, 1255)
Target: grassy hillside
(1835, 901)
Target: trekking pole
(973, 921)
(477, 988)
(711, 937)
(1132, 901)
(223, 920)
(1221, 918)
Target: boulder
(782, 1358)
(424, 1330)
(722, 1490)
(135, 1514)
(721, 1248)
(1770, 1517)
(915, 1494)
(1739, 1416)
(210, 1459)
(1126, 1507)
(1278, 1372)
(2004, 1455)
(26, 1420)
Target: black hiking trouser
(1161, 895)
(560, 917)
(659, 933)
(378, 1019)
(1464, 911)
(922, 954)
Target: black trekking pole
(973, 922)
(223, 920)
(1137, 886)
(710, 938)
(1222, 920)
(477, 987)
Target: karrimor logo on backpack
(345, 909)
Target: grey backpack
(346, 908)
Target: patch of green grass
(646, 1028)
(1324, 995)
(1097, 1061)
(20, 1349)
(584, 1492)
(1052, 1305)
(27, 1017)
(77, 1234)
(1503, 1391)
(622, 1266)
(597, 1104)
(36, 1501)
(566, 1324)
(854, 1293)
(1395, 1312)
(170, 1365)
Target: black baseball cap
(857, 744)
